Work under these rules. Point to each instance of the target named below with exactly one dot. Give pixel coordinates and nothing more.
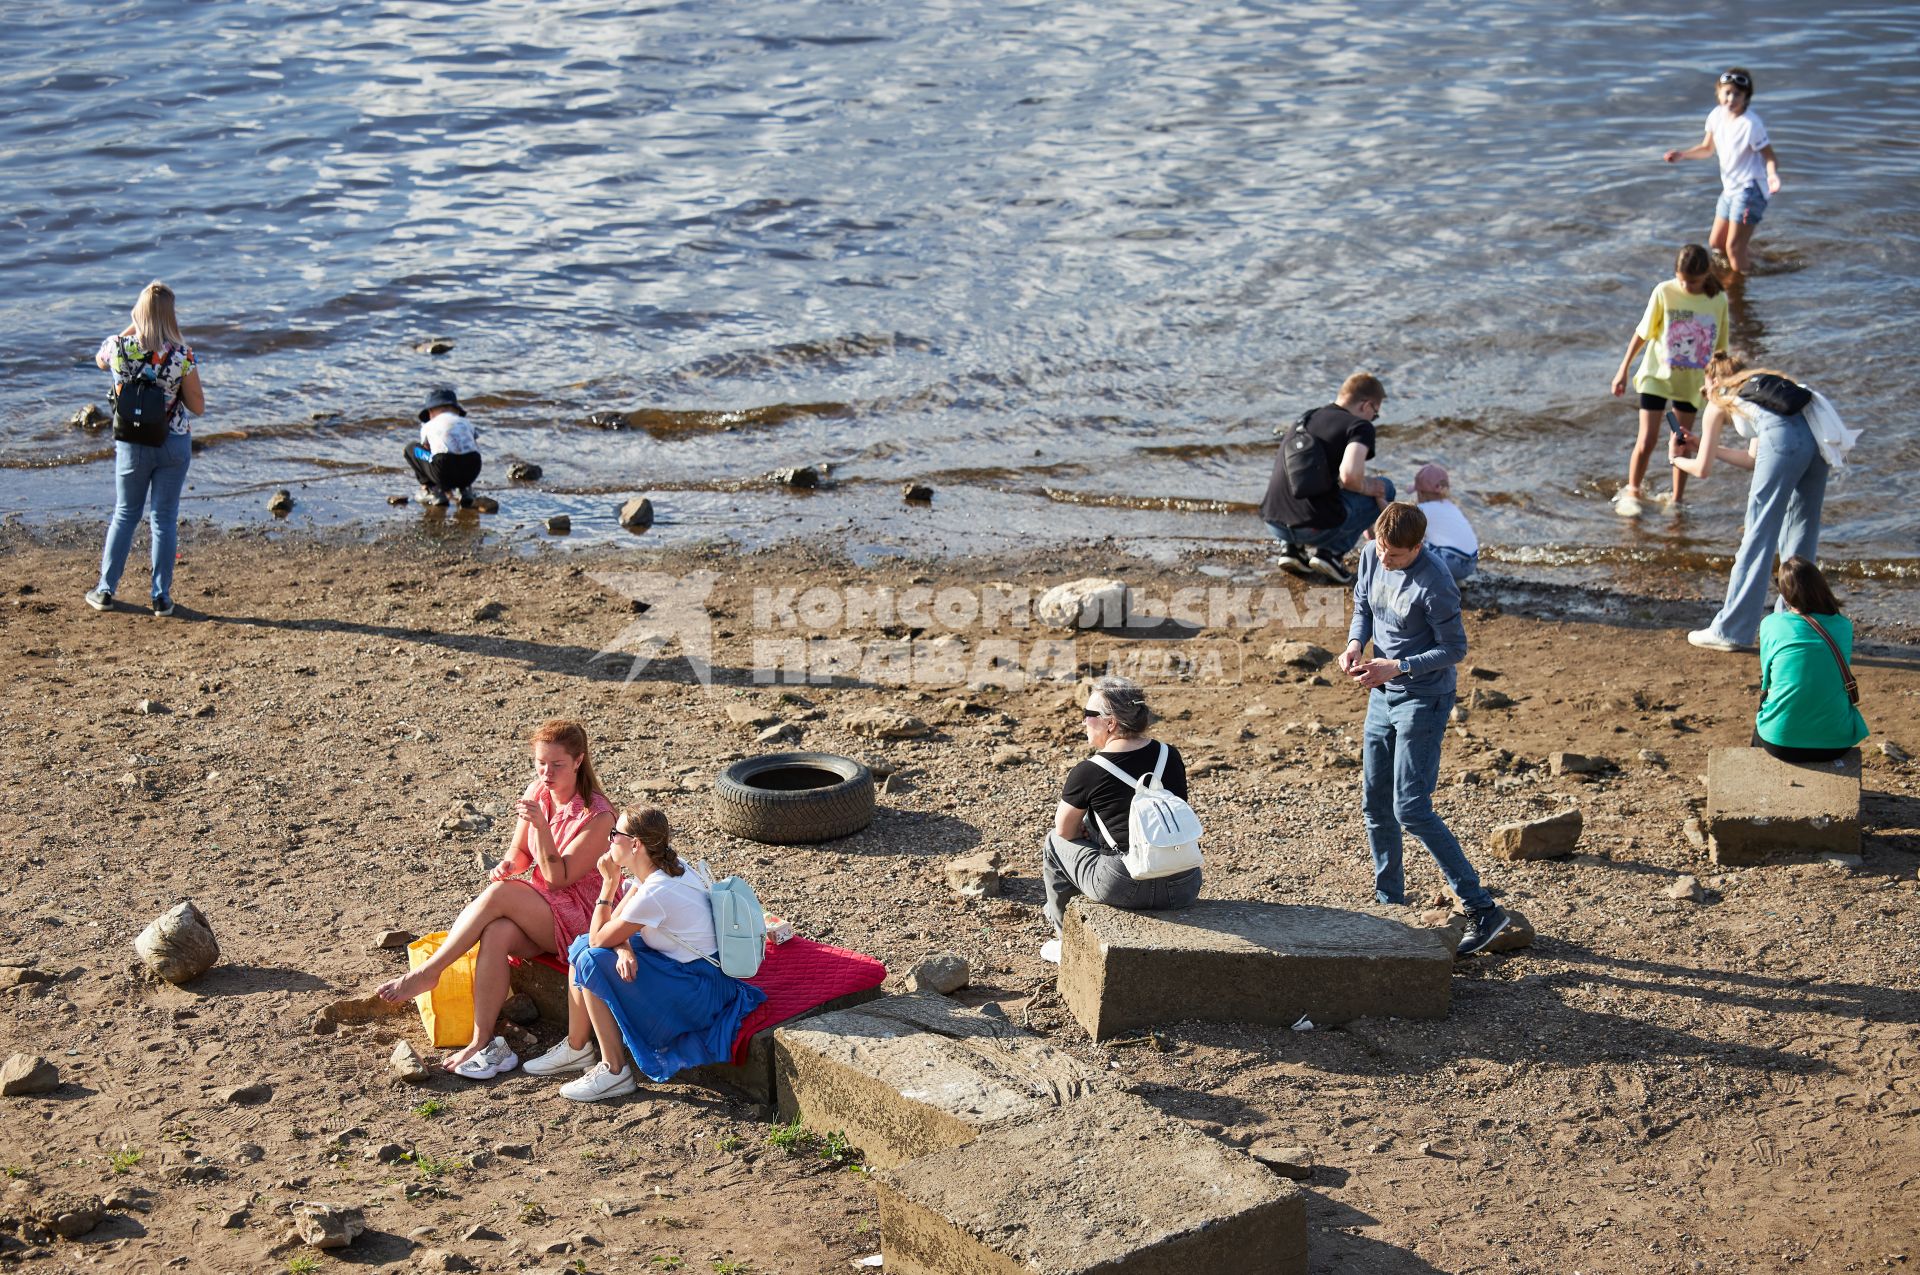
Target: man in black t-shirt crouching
(1319, 529)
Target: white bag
(1163, 833)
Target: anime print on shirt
(1690, 338)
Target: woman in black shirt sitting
(1084, 851)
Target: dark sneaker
(438, 500)
(162, 606)
(466, 497)
(1325, 564)
(101, 599)
(1483, 927)
(1292, 560)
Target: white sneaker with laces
(561, 1058)
(1050, 951)
(600, 1083)
(1708, 640)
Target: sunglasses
(1736, 79)
(1091, 713)
(619, 833)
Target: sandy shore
(1658, 1084)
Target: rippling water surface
(1069, 263)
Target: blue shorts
(1742, 207)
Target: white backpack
(739, 925)
(1163, 833)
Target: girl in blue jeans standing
(142, 473)
(1790, 461)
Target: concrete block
(908, 1075)
(1236, 962)
(1761, 808)
(1106, 1185)
(754, 1077)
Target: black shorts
(1654, 403)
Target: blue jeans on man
(1401, 764)
(141, 472)
(1337, 541)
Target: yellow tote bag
(446, 1011)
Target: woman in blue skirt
(645, 984)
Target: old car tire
(788, 799)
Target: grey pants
(1072, 868)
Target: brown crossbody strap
(1846, 674)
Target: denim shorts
(1742, 207)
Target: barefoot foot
(406, 987)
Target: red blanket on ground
(798, 975)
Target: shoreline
(321, 704)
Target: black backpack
(141, 408)
(1308, 474)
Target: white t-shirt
(1448, 528)
(1737, 140)
(662, 904)
(448, 431)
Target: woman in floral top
(141, 472)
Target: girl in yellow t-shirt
(1684, 326)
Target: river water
(1068, 263)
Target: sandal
(495, 1057)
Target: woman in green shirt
(1805, 713)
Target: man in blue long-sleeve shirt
(1405, 600)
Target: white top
(1830, 433)
(1737, 140)
(448, 431)
(661, 905)
(1448, 528)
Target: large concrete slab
(1761, 808)
(1106, 1185)
(1238, 962)
(908, 1075)
(754, 1077)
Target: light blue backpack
(739, 925)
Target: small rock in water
(945, 973)
(559, 525)
(637, 514)
(918, 493)
(804, 476)
(486, 504)
(24, 1074)
(398, 500)
(522, 471)
(609, 420)
(90, 417)
(281, 502)
(178, 945)
(407, 1064)
(437, 345)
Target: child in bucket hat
(447, 457)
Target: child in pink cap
(1450, 536)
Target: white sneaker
(600, 1083)
(495, 1056)
(1626, 504)
(561, 1058)
(1050, 951)
(1708, 640)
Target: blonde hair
(153, 319)
(648, 825)
(1729, 372)
(572, 736)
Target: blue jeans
(1783, 516)
(1337, 540)
(1743, 207)
(140, 471)
(1401, 751)
(1460, 563)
